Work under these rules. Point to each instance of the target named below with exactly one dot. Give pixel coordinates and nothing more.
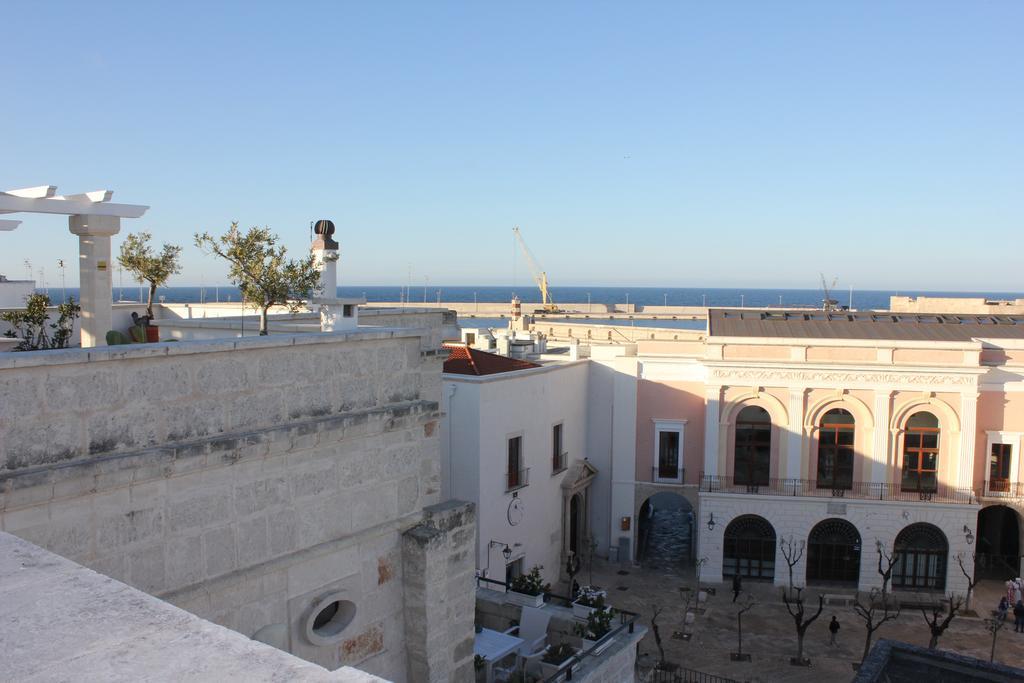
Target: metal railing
(627, 622)
(1004, 488)
(855, 490)
(658, 474)
(559, 462)
(517, 479)
(681, 675)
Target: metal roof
(816, 324)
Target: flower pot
(525, 600)
(549, 670)
(581, 611)
(587, 644)
(152, 333)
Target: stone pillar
(968, 437)
(795, 445)
(95, 274)
(440, 593)
(712, 410)
(880, 444)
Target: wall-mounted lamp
(968, 536)
(624, 523)
(711, 522)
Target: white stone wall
(881, 520)
(482, 414)
(240, 480)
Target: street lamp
(968, 536)
(711, 522)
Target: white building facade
(515, 444)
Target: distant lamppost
(666, 300)
(63, 289)
(741, 301)
(704, 300)
(588, 302)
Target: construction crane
(539, 276)
(828, 303)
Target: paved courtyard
(769, 634)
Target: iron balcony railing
(627, 622)
(517, 479)
(667, 474)
(856, 490)
(559, 462)
(1004, 488)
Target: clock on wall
(515, 511)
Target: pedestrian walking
(737, 586)
(1018, 617)
(833, 629)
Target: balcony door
(753, 449)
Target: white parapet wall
(109, 631)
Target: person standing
(1003, 608)
(737, 586)
(833, 629)
(1018, 617)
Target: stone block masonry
(246, 481)
(437, 558)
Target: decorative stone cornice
(841, 378)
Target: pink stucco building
(844, 432)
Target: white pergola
(92, 217)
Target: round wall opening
(328, 618)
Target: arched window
(835, 450)
(921, 550)
(749, 548)
(833, 552)
(753, 450)
(921, 453)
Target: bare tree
(886, 561)
(657, 634)
(746, 604)
(937, 627)
(689, 597)
(972, 578)
(869, 612)
(700, 565)
(792, 552)
(993, 626)
(795, 607)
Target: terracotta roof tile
(463, 360)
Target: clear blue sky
(664, 144)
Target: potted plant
(528, 589)
(587, 600)
(598, 625)
(139, 259)
(554, 659)
(480, 668)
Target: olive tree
(139, 259)
(260, 271)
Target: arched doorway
(665, 532)
(749, 548)
(921, 555)
(833, 553)
(998, 554)
(575, 523)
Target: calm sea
(650, 296)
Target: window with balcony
(558, 455)
(835, 450)
(753, 449)
(921, 454)
(515, 477)
(999, 468)
(668, 450)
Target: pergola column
(95, 274)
